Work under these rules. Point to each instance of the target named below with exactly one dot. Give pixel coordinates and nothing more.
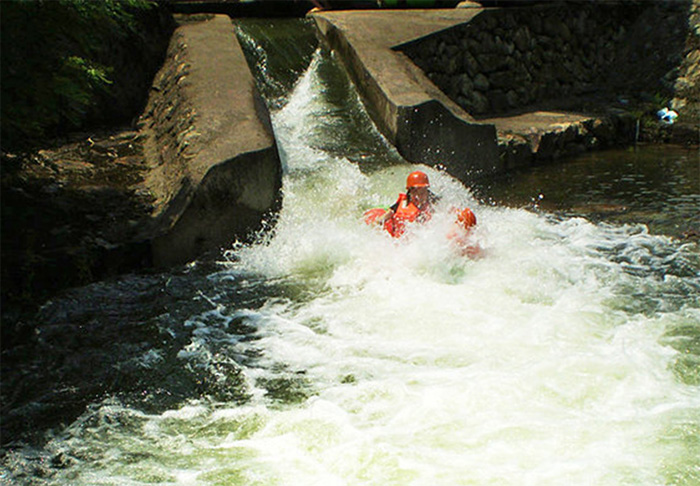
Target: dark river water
(658, 186)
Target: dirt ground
(70, 215)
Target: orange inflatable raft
(459, 234)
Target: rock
(481, 83)
(480, 103)
(471, 65)
(512, 99)
(602, 129)
(492, 62)
(465, 84)
(502, 80)
(453, 64)
(522, 39)
(498, 101)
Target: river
(568, 353)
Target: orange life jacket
(404, 213)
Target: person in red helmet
(467, 219)
(460, 234)
(415, 205)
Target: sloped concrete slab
(215, 167)
(414, 115)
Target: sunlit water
(567, 354)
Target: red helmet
(417, 179)
(467, 218)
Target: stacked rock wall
(507, 59)
(686, 85)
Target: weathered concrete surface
(423, 124)
(215, 167)
(542, 136)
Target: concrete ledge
(543, 136)
(215, 171)
(414, 115)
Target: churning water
(567, 354)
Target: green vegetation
(58, 63)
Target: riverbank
(197, 169)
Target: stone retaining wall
(686, 85)
(507, 59)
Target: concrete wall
(215, 170)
